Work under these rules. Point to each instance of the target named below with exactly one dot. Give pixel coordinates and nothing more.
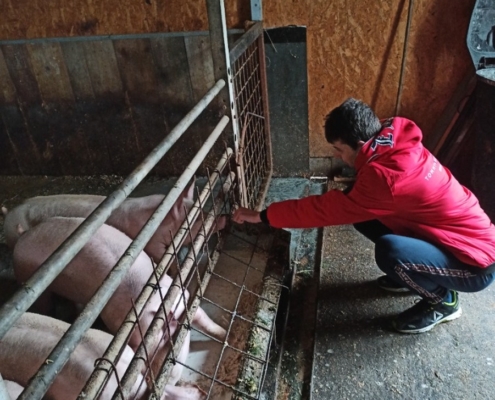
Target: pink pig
(84, 274)
(129, 217)
(29, 342)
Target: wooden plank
(175, 92)
(200, 65)
(139, 78)
(8, 152)
(7, 88)
(51, 72)
(29, 121)
(75, 61)
(86, 144)
(58, 100)
(109, 111)
(20, 141)
(174, 82)
(136, 66)
(103, 69)
(19, 67)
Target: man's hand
(242, 215)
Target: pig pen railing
(49, 270)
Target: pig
(84, 274)
(29, 342)
(129, 217)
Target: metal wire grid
(251, 100)
(255, 349)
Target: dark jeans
(426, 269)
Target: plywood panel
(57, 18)
(349, 57)
(438, 59)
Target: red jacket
(404, 186)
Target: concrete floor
(358, 357)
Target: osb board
(355, 50)
(40, 18)
(354, 47)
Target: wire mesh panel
(254, 156)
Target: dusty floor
(358, 357)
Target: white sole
(451, 317)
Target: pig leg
(202, 321)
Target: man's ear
(360, 144)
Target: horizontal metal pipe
(152, 335)
(75, 39)
(103, 368)
(61, 353)
(49, 270)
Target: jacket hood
(397, 134)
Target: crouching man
(431, 235)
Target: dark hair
(351, 122)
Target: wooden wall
(87, 107)
(355, 47)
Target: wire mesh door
(251, 98)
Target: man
(431, 235)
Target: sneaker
(386, 283)
(423, 316)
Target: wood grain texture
(56, 18)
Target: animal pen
(236, 275)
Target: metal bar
(256, 10)
(61, 353)
(246, 40)
(159, 35)
(103, 368)
(48, 271)
(221, 59)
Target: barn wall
(354, 47)
(99, 106)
